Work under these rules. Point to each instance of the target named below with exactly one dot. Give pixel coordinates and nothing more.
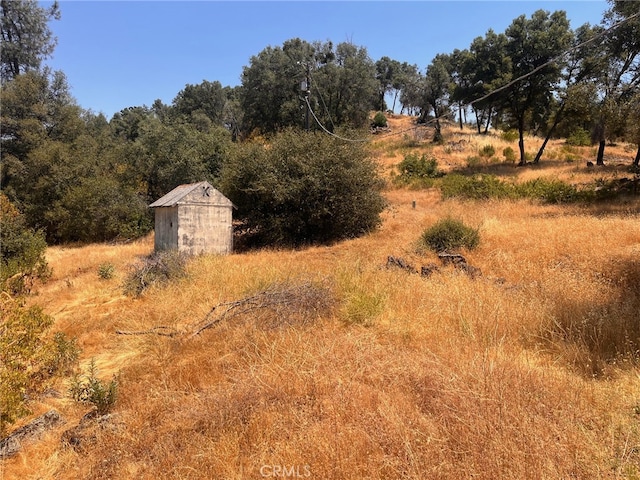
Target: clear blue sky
(120, 54)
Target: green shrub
(414, 167)
(476, 187)
(22, 250)
(379, 120)
(303, 188)
(510, 135)
(157, 269)
(89, 389)
(474, 161)
(29, 356)
(487, 151)
(551, 191)
(450, 234)
(579, 138)
(509, 155)
(106, 271)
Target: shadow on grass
(597, 337)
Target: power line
(499, 89)
(555, 59)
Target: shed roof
(179, 194)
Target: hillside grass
(508, 375)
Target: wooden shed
(194, 218)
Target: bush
(510, 135)
(157, 269)
(487, 151)
(89, 389)
(100, 209)
(579, 138)
(450, 234)
(477, 187)
(106, 271)
(303, 188)
(29, 356)
(551, 191)
(474, 161)
(379, 120)
(21, 251)
(509, 155)
(415, 168)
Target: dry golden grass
(405, 377)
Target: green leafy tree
(436, 92)
(485, 69)
(388, 74)
(207, 98)
(633, 126)
(531, 44)
(619, 79)
(270, 95)
(169, 155)
(26, 37)
(303, 188)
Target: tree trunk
(600, 157)
(475, 111)
(486, 128)
(636, 161)
(460, 115)
(523, 159)
(549, 133)
(437, 136)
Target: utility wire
(499, 89)
(555, 59)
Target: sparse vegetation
(30, 357)
(156, 269)
(106, 271)
(91, 390)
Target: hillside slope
(368, 370)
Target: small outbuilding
(194, 218)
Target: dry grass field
(372, 372)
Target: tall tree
(207, 98)
(26, 37)
(532, 44)
(270, 94)
(436, 92)
(581, 65)
(388, 74)
(620, 78)
(491, 69)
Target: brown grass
(407, 377)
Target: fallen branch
(285, 300)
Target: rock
(12, 444)
(399, 263)
(429, 269)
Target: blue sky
(120, 54)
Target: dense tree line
(76, 176)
